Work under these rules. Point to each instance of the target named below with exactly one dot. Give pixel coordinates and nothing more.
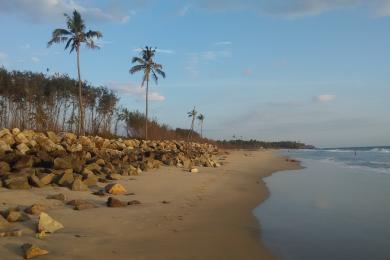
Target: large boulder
(21, 139)
(24, 162)
(63, 163)
(17, 183)
(78, 185)
(115, 189)
(66, 179)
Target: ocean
(337, 207)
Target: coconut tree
(192, 114)
(150, 68)
(201, 119)
(75, 35)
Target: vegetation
(201, 119)
(192, 114)
(146, 64)
(74, 36)
(255, 144)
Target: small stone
(3, 223)
(115, 189)
(16, 216)
(12, 233)
(134, 202)
(48, 224)
(35, 209)
(115, 203)
(114, 177)
(46, 178)
(100, 193)
(60, 197)
(17, 183)
(165, 202)
(21, 138)
(31, 251)
(82, 204)
(194, 170)
(90, 180)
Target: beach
(182, 215)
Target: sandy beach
(205, 215)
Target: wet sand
(209, 215)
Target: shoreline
(207, 215)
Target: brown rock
(17, 183)
(16, 216)
(78, 185)
(67, 178)
(3, 223)
(35, 181)
(23, 148)
(134, 202)
(31, 251)
(115, 189)
(90, 180)
(35, 209)
(12, 233)
(4, 167)
(24, 162)
(82, 204)
(46, 178)
(62, 163)
(115, 203)
(21, 139)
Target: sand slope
(208, 217)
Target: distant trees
(149, 67)
(255, 144)
(41, 102)
(74, 36)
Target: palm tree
(74, 36)
(146, 64)
(192, 114)
(201, 119)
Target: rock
(115, 203)
(35, 181)
(4, 132)
(82, 204)
(17, 183)
(35, 209)
(90, 180)
(62, 163)
(78, 185)
(3, 223)
(134, 202)
(67, 178)
(24, 162)
(4, 167)
(194, 170)
(12, 233)
(100, 162)
(21, 139)
(115, 189)
(31, 251)
(100, 193)
(60, 197)
(46, 178)
(23, 148)
(8, 139)
(16, 216)
(4, 147)
(48, 224)
(53, 137)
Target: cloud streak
(52, 10)
(294, 8)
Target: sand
(209, 215)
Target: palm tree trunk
(201, 129)
(146, 117)
(81, 110)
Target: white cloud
(197, 58)
(52, 10)
(35, 59)
(324, 98)
(135, 91)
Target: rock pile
(29, 158)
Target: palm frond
(160, 72)
(136, 68)
(91, 44)
(137, 60)
(154, 76)
(93, 34)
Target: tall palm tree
(201, 119)
(74, 36)
(149, 67)
(192, 114)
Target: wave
(380, 150)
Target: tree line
(255, 144)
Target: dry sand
(209, 215)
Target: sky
(315, 71)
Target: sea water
(337, 207)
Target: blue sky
(310, 70)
